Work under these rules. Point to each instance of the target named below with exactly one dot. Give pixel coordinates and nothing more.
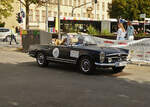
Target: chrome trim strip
(61, 60)
(117, 54)
(110, 64)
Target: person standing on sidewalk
(121, 32)
(13, 36)
(130, 31)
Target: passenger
(64, 41)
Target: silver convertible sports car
(82, 51)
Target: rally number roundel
(55, 52)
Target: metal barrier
(139, 50)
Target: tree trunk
(27, 15)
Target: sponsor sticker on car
(55, 52)
(74, 54)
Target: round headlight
(109, 60)
(102, 57)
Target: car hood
(106, 50)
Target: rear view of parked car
(4, 34)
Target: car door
(61, 53)
(69, 53)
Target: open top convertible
(81, 50)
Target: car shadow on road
(69, 68)
(57, 67)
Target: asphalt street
(24, 84)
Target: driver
(80, 40)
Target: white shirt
(120, 34)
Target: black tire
(117, 69)
(4, 40)
(41, 60)
(86, 65)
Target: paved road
(24, 84)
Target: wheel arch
(84, 55)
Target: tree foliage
(129, 9)
(26, 4)
(5, 8)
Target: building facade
(74, 9)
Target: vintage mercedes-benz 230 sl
(82, 51)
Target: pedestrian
(130, 31)
(17, 29)
(13, 36)
(121, 32)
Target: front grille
(117, 58)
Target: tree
(129, 9)
(5, 8)
(26, 4)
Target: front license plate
(119, 64)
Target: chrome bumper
(117, 64)
(32, 55)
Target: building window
(79, 2)
(74, 15)
(98, 7)
(49, 14)
(85, 3)
(78, 15)
(70, 14)
(61, 14)
(37, 15)
(55, 14)
(65, 14)
(74, 3)
(61, 2)
(89, 16)
(65, 2)
(103, 6)
(31, 15)
(103, 17)
(70, 2)
(108, 16)
(43, 15)
(97, 16)
(84, 14)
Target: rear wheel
(41, 60)
(7, 39)
(117, 69)
(86, 65)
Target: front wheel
(86, 65)
(117, 69)
(41, 60)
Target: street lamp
(46, 20)
(59, 36)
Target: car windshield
(4, 30)
(76, 40)
(89, 40)
(83, 40)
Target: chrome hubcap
(85, 65)
(40, 59)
